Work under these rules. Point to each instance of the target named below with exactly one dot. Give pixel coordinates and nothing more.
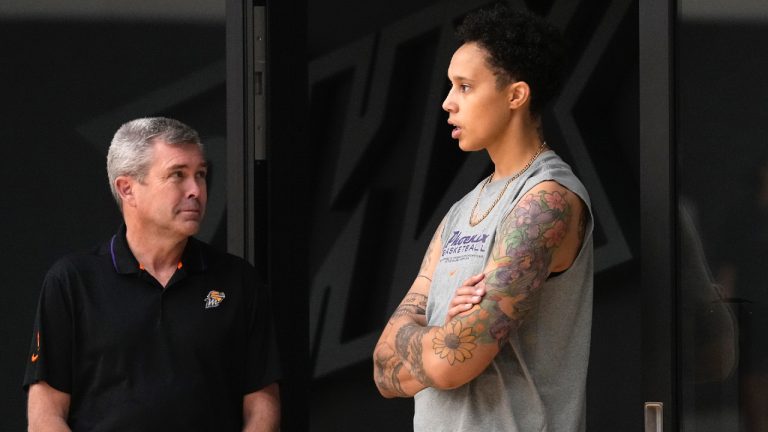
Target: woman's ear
(519, 94)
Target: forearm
(391, 375)
(448, 356)
(261, 410)
(48, 424)
(47, 408)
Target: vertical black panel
(236, 126)
(657, 198)
(266, 201)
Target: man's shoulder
(88, 259)
(213, 253)
(217, 260)
(73, 269)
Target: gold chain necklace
(473, 221)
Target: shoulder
(216, 259)
(546, 208)
(552, 190)
(224, 265)
(95, 260)
(553, 217)
(551, 195)
(71, 275)
(552, 168)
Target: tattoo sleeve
(388, 357)
(519, 265)
(517, 269)
(412, 304)
(399, 346)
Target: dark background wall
(386, 171)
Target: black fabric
(137, 357)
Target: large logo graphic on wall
(387, 170)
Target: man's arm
(542, 234)
(389, 373)
(261, 410)
(47, 408)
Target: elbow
(379, 373)
(448, 376)
(447, 381)
(385, 393)
(443, 376)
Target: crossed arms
(541, 235)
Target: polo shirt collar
(193, 259)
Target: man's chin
(190, 227)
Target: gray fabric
(537, 382)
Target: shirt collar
(193, 259)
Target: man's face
(171, 199)
(478, 110)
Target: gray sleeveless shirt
(537, 382)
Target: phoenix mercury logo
(214, 299)
(458, 244)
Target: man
(494, 333)
(154, 330)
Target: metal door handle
(654, 417)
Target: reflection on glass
(723, 215)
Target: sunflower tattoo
(454, 342)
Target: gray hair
(130, 153)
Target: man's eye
(464, 88)
(202, 174)
(177, 174)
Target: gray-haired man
(153, 330)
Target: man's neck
(157, 254)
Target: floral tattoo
(525, 242)
(454, 342)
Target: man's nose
(195, 187)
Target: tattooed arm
(541, 235)
(389, 373)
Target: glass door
(722, 210)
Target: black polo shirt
(137, 357)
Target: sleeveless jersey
(537, 382)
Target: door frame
(657, 207)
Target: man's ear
(519, 94)
(124, 188)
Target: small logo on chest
(214, 299)
(460, 244)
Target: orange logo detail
(214, 299)
(36, 354)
